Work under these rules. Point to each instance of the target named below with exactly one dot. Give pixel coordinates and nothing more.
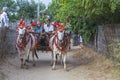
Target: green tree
(18, 8)
(85, 15)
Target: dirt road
(77, 70)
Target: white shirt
(5, 19)
(48, 28)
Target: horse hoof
(66, 70)
(26, 66)
(28, 61)
(53, 69)
(61, 63)
(21, 67)
(34, 64)
(51, 64)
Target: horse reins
(22, 47)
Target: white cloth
(48, 28)
(4, 20)
(0, 20)
(81, 39)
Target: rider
(48, 27)
(68, 26)
(39, 28)
(33, 26)
(4, 16)
(58, 26)
(21, 23)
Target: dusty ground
(82, 64)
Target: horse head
(60, 35)
(21, 34)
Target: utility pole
(38, 10)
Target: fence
(105, 36)
(7, 40)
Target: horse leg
(21, 59)
(56, 56)
(61, 59)
(36, 54)
(64, 61)
(69, 44)
(26, 58)
(22, 65)
(54, 61)
(25, 64)
(33, 53)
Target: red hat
(60, 26)
(33, 24)
(55, 24)
(21, 24)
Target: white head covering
(4, 9)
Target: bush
(116, 50)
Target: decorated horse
(59, 44)
(25, 43)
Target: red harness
(61, 48)
(22, 47)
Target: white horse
(59, 44)
(25, 43)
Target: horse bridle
(23, 38)
(60, 46)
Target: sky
(46, 2)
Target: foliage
(29, 9)
(116, 49)
(116, 56)
(18, 8)
(85, 15)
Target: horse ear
(18, 29)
